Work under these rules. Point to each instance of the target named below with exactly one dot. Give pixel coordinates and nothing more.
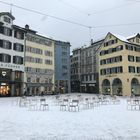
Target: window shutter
(1, 29)
(15, 34)
(14, 59)
(10, 32)
(14, 46)
(22, 36)
(22, 48)
(10, 45)
(9, 58)
(21, 60)
(1, 43)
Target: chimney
(27, 26)
(91, 42)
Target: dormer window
(6, 19)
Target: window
(48, 53)
(64, 47)
(108, 71)
(50, 81)
(103, 71)
(48, 62)
(102, 62)
(5, 44)
(34, 50)
(106, 51)
(38, 60)
(114, 50)
(118, 48)
(118, 59)
(64, 53)
(114, 70)
(90, 77)
(131, 69)
(38, 51)
(19, 34)
(39, 40)
(111, 60)
(37, 80)
(64, 61)
(5, 31)
(137, 40)
(108, 61)
(129, 47)
(138, 69)
(86, 77)
(131, 58)
(111, 70)
(18, 74)
(18, 47)
(102, 53)
(65, 68)
(6, 19)
(110, 42)
(111, 50)
(5, 58)
(137, 59)
(137, 49)
(28, 79)
(17, 59)
(38, 70)
(119, 69)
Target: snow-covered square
(19, 120)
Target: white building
(11, 56)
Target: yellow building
(119, 65)
(39, 64)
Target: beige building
(119, 65)
(39, 64)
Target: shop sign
(11, 66)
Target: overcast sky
(88, 12)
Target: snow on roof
(122, 38)
(43, 35)
(132, 36)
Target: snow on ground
(107, 122)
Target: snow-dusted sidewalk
(107, 122)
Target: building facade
(62, 67)
(11, 56)
(89, 68)
(39, 63)
(76, 70)
(119, 65)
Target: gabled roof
(121, 38)
(134, 35)
(8, 14)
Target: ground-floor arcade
(121, 86)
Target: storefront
(11, 83)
